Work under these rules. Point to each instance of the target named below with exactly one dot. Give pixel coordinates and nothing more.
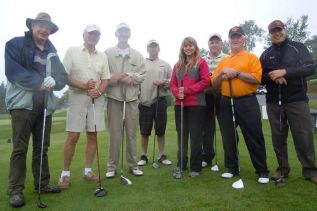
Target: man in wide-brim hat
(42, 18)
(34, 71)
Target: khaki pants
(114, 112)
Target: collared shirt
(132, 64)
(213, 61)
(83, 66)
(155, 70)
(242, 61)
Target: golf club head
(100, 192)
(280, 181)
(41, 204)
(156, 165)
(177, 174)
(238, 184)
(125, 181)
(214, 168)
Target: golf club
(156, 165)
(123, 180)
(280, 181)
(178, 171)
(40, 203)
(239, 183)
(215, 167)
(99, 191)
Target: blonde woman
(189, 79)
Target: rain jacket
(23, 81)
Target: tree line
(297, 30)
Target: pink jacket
(194, 82)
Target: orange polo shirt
(242, 61)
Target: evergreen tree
(3, 108)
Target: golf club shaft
(42, 145)
(182, 126)
(155, 121)
(215, 131)
(280, 106)
(122, 143)
(97, 151)
(280, 122)
(234, 124)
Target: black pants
(248, 117)
(25, 123)
(209, 125)
(295, 116)
(192, 124)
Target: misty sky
(167, 21)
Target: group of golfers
(205, 88)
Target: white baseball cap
(122, 25)
(91, 28)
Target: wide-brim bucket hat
(44, 18)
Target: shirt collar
(83, 48)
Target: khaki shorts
(80, 114)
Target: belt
(240, 97)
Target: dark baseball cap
(276, 24)
(236, 30)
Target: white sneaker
(163, 159)
(204, 164)
(227, 175)
(263, 180)
(143, 160)
(110, 174)
(166, 162)
(142, 163)
(137, 172)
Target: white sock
(87, 170)
(65, 173)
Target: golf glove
(49, 82)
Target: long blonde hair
(187, 62)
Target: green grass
(313, 104)
(157, 190)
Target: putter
(156, 165)
(123, 180)
(280, 181)
(99, 192)
(239, 183)
(215, 167)
(40, 203)
(178, 170)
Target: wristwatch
(238, 73)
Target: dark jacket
(23, 81)
(295, 58)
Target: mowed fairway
(157, 190)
